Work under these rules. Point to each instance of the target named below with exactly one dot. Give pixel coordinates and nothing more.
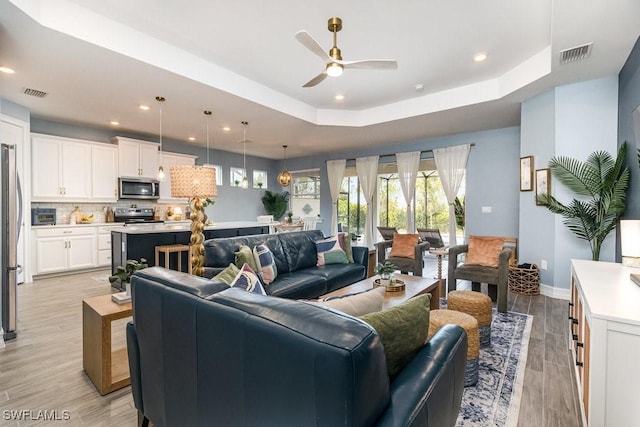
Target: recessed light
(339, 97)
(7, 70)
(226, 128)
(192, 138)
(144, 107)
(114, 123)
(479, 57)
(419, 87)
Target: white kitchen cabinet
(64, 248)
(61, 169)
(167, 161)
(137, 158)
(605, 336)
(104, 245)
(104, 173)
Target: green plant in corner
(123, 273)
(275, 203)
(601, 182)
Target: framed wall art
(526, 173)
(543, 183)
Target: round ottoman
(439, 318)
(477, 305)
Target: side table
(108, 369)
(439, 253)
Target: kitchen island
(139, 241)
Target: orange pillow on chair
(404, 245)
(484, 251)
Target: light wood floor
(42, 368)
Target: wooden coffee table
(413, 286)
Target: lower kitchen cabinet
(59, 249)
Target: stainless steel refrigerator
(10, 219)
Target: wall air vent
(575, 53)
(34, 92)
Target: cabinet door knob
(580, 344)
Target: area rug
(495, 399)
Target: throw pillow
(248, 280)
(484, 251)
(227, 275)
(403, 330)
(330, 252)
(244, 255)
(404, 245)
(345, 242)
(358, 304)
(265, 263)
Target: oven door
(139, 188)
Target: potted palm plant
(601, 182)
(122, 277)
(275, 203)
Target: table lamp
(195, 183)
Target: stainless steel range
(135, 216)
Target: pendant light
(284, 177)
(207, 113)
(160, 99)
(245, 182)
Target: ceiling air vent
(35, 92)
(575, 53)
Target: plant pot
(385, 282)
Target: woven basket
(524, 281)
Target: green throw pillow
(347, 247)
(403, 330)
(227, 275)
(245, 256)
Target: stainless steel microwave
(139, 188)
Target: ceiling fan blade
(311, 44)
(317, 79)
(376, 64)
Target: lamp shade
(189, 181)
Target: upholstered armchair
(411, 260)
(492, 267)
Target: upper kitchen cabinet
(104, 173)
(137, 158)
(61, 169)
(167, 161)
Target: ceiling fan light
(284, 178)
(334, 69)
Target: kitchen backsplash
(98, 210)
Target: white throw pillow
(356, 304)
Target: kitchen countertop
(177, 226)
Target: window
(352, 208)
(305, 193)
(259, 179)
(235, 176)
(218, 169)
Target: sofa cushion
(244, 255)
(346, 245)
(248, 280)
(299, 249)
(404, 245)
(403, 330)
(484, 251)
(265, 262)
(330, 251)
(338, 275)
(227, 275)
(298, 285)
(358, 304)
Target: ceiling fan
(335, 64)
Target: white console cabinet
(604, 318)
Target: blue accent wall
(629, 100)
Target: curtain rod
(389, 155)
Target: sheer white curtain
(451, 163)
(408, 165)
(367, 168)
(335, 173)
